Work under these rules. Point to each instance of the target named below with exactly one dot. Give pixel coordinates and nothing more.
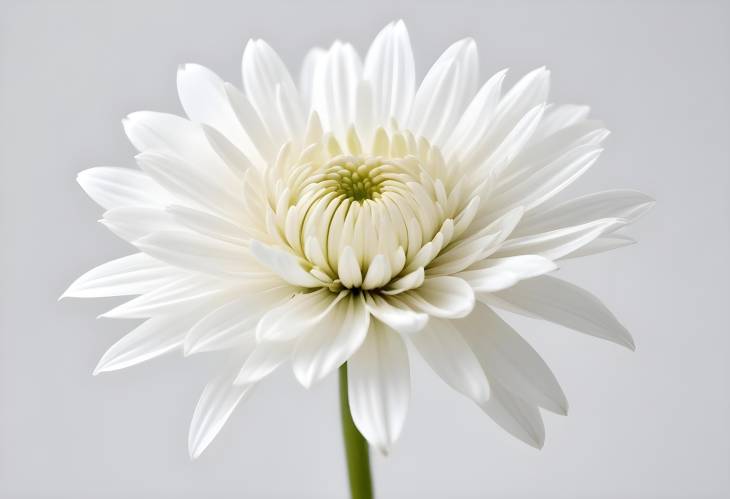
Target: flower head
(342, 219)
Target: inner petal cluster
(364, 218)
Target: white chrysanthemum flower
(340, 220)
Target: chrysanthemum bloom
(343, 219)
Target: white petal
(477, 117)
(269, 87)
(496, 274)
(334, 92)
(306, 78)
(348, 269)
(538, 153)
(378, 273)
(379, 386)
(445, 91)
(169, 134)
(207, 224)
(390, 69)
(264, 360)
(129, 275)
(510, 360)
(395, 313)
(409, 281)
(284, 264)
(445, 350)
(547, 181)
(230, 153)
(515, 416)
(238, 317)
(558, 301)
(303, 312)
(203, 96)
(442, 296)
(199, 253)
(264, 144)
(193, 186)
(113, 187)
(216, 404)
(329, 345)
(509, 126)
(561, 242)
(152, 338)
(175, 297)
(133, 222)
(601, 244)
(626, 204)
(559, 117)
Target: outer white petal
(442, 296)
(530, 93)
(172, 135)
(559, 117)
(271, 90)
(238, 317)
(114, 187)
(445, 350)
(230, 153)
(561, 242)
(203, 96)
(329, 345)
(379, 386)
(513, 143)
(216, 404)
(474, 124)
(445, 92)
(175, 297)
(566, 304)
(284, 264)
(200, 253)
(510, 360)
(306, 77)
(304, 311)
(548, 181)
(129, 275)
(625, 204)
(395, 313)
(133, 222)
(152, 338)
(390, 69)
(335, 87)
(539, 153)
(265, 359)
(208, 224)
(601, 244)
(515, 416)
(495, 274)
(193, 186)
(265, 144)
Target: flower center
(355, 178)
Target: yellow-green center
(355, 178)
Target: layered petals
(329, 225)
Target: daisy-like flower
(358, 217)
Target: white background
(652, 424)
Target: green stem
(356, 447)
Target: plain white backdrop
(652, 424)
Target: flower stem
(356, 447)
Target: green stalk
(356, 447)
